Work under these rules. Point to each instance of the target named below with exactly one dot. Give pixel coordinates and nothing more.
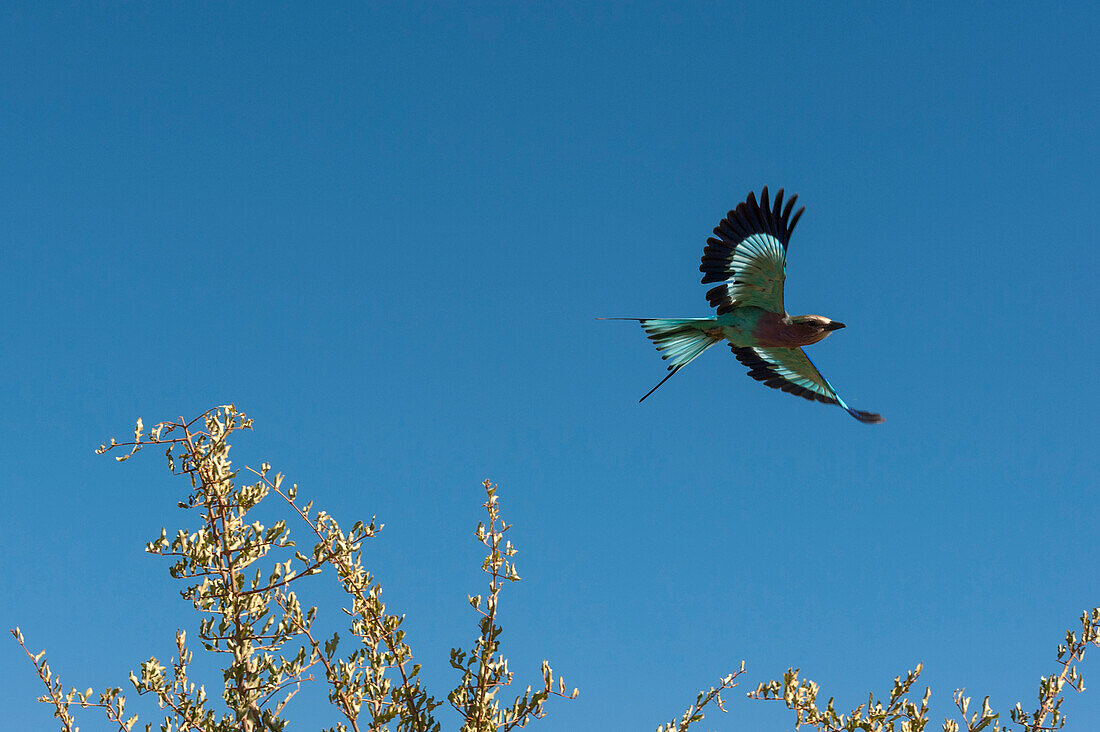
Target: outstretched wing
(792, 371)
(748, 254)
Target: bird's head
(816, 327)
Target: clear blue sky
(385, 231)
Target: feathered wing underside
(748, 254)
(792, 371)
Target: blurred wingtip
(867, 417)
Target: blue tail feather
(680, 340)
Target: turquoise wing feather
(792, 371)
(748, 254)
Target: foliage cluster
(251, 614)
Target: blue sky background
(385, 232)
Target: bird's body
(753, 326)
(748, 256)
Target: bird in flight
(748, 256)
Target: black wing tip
(763, 215)
(867, 417)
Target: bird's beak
(834, 325)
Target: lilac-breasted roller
(748, 256)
